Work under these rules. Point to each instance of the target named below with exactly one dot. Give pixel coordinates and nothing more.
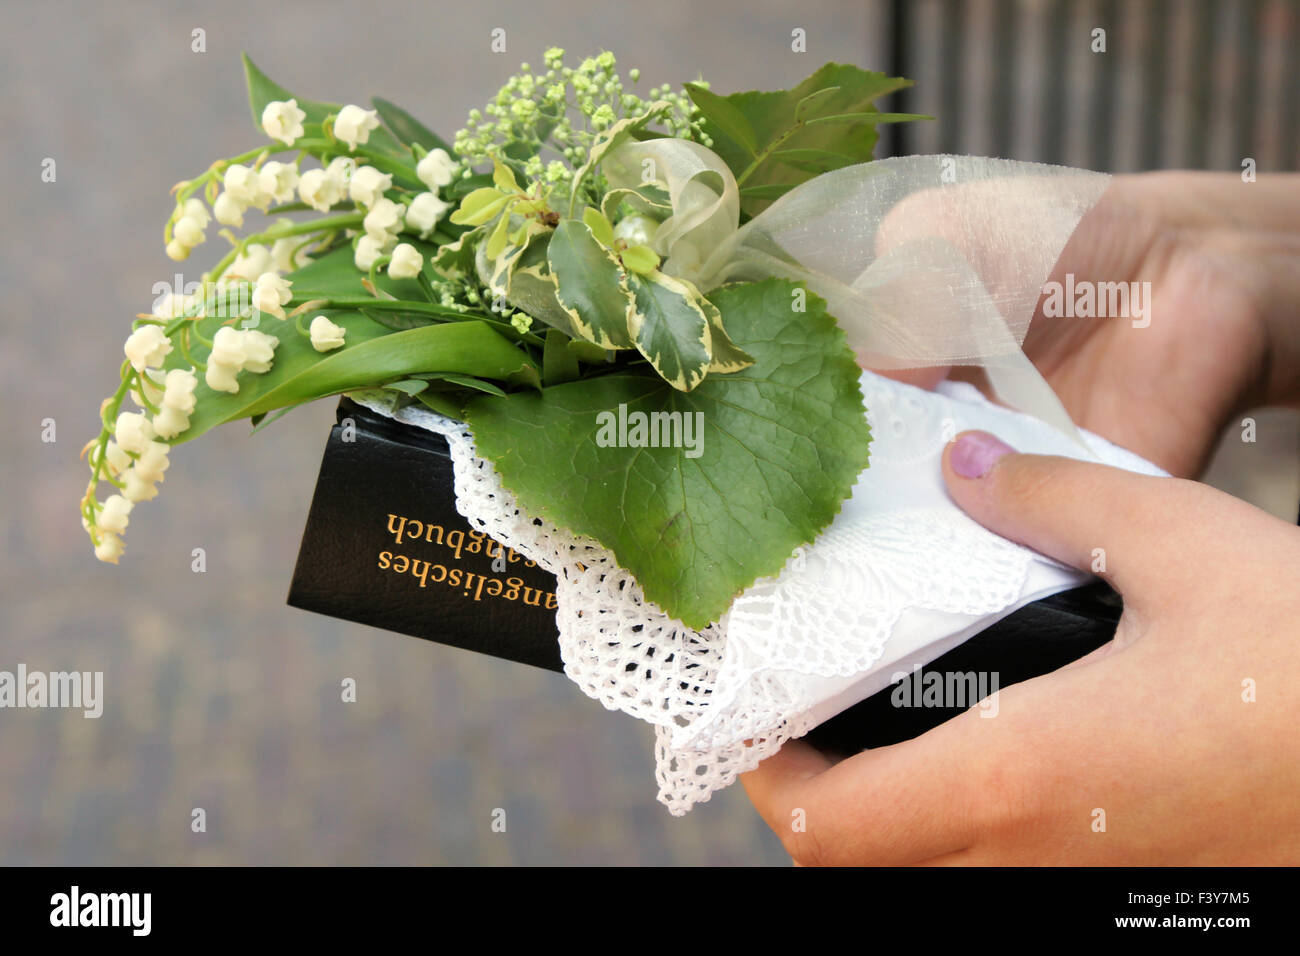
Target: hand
(1153, 729)
(1223, 259)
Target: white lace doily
(900, 577)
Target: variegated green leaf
(727, 355)
(600, 226)
(608, 139)
(533, 289)
(648, 199)
(671, 328)
(456, 259)
(506, 259)
(592, 286)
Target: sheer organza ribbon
(924, 260)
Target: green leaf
(465, 381)
(648, 199)
(480, 206)
(406, 128)
(671, 329)
(609, 139)
(503, 177)
(399, 321)
(815, 161)
(724, 115)
(640, 259)
(769, 191)
(559, 364)
(456, 259)
(408, 386)
(592, 287)
(727, 356)
(443, 404)
(262, 90)
(262, 421)
(589, 352)
(600, 227)
(496, 242)
(787, 121)
(371, 356)
(783, 443)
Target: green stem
(763, 155)
(427, 286)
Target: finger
(1129, 528)
(890, 805)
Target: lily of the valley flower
(368, 185)
(278, 180)
(234, 351)
(116, 460)
(246, 188)
(322, 188)
(325, 335)
(254, 260)
(244, 185)
(272, 294)
(177, 404)
(146, 347)
(109, 548)
(288, 254)
(406, 262)
(147, 390)
(353, 125)
(426, 209)
(369, 249)
(114, 516)
(384, 219)
(228, 210)
(282, 120)
(141, 479)
(171, 305)
(259, 350)
(132, 432)
(188, 230)
(436, 169)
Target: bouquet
(563, 277)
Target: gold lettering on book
(476, 542)
(471, 583)
(458, 542)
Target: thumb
(1128, 528)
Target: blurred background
(220, 697)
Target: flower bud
(146, 347)
(282, 120)
(406, 262)
(436, 169)
(368, 186)
(133, 432)
(353, 125)
(426, 209)
(325, 335)
(113, 518)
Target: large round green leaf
(781, 445)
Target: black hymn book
(385, 546)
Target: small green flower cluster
(563, 110)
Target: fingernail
(974, 454)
